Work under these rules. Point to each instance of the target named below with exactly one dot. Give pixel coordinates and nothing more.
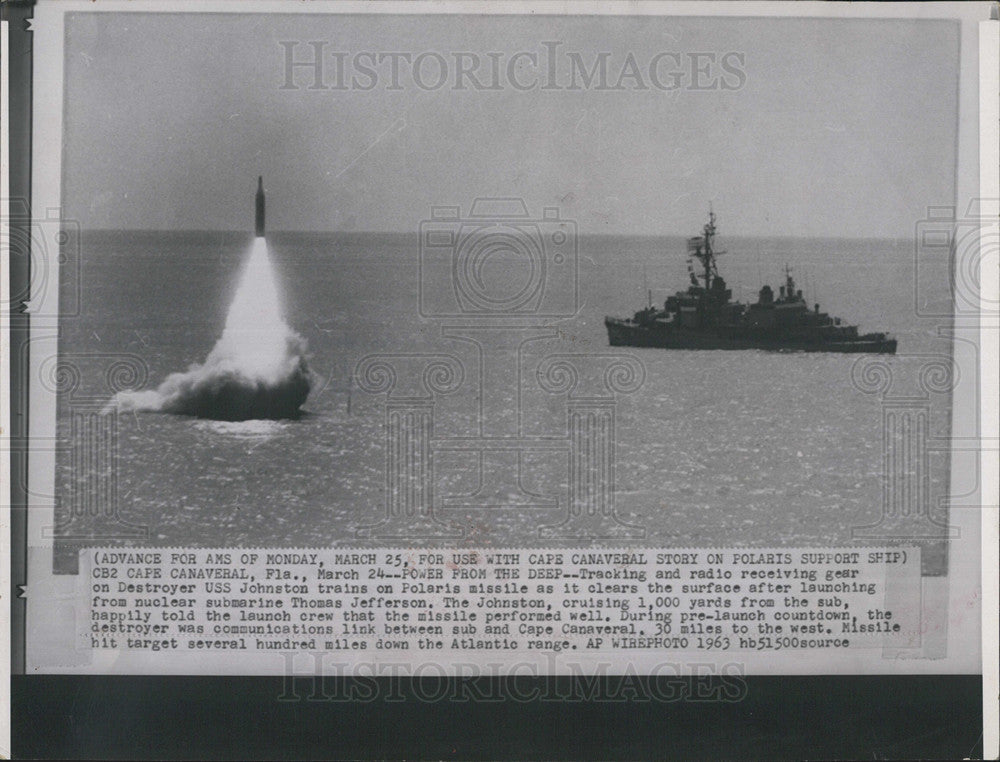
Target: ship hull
(623, 333)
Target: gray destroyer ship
(705, 316)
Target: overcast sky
(835, 128)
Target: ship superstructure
(706, 317)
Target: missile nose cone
(259, 221)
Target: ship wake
(257, 369)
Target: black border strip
(18, 196)
(845, 717)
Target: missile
(259, 224)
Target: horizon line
(249, 233)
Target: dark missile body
(259, 222)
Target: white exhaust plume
(257, 369)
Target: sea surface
(744, 448)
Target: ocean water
(744, 448)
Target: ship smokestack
(259, 222)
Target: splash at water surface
(257, 369)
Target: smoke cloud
(257, 369)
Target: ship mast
(709, 260)
(700, 247)
(703, 251)
(789, 283)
